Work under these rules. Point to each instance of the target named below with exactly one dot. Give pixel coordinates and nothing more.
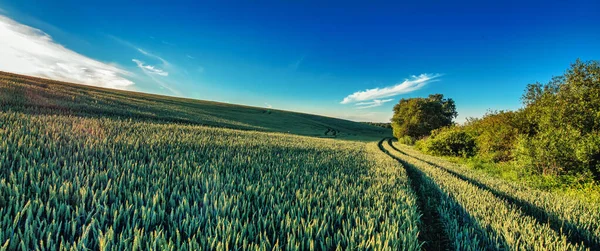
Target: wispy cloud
(167, 43)
(165, 62)
(365, 115)
(149, 68)
(163, 84)
(267, 105)
(294, 66)
(371, 104)
(409, 85)
(2, 11)
(190, 57)
(140, 50)
(27, 50)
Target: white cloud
(150, 69)
(267, 105)
(366, 116)
(409, 85)
(27, 50)
(163, 84)
(151, 55)
(371, 104)
(190, 57)
(140, 50)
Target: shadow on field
(429, 196)
(574, 234)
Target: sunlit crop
(70, 182)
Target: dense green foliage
(407, 140)
(565, 114)
(557, 132)
(41, 96)
(449, 142)
(100, 183)
(417, 117)
(496, 134)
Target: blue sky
(340, 59)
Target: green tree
(417, 117)
(565, 119)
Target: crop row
(506, 226)
(576, 219)
(105, 184)
(445, 224)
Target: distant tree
(378, 124)
(417, 117)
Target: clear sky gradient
(341, 59)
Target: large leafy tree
(565, 119)
(417, 117)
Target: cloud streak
(371, 104)
(150, 69)
(165, 62)
(27, 50)
(409, 85)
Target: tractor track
(573, 234)
(432, 234)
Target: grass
(582, 187)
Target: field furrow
(508, 226)
(578, 220)
(445, 224)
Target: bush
(495, 134)
(566, 123)
(450, 141)
(588, 153)
(549, 152)
(407, 140)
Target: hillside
(42, 96)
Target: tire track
(431, 228)
(574, 235)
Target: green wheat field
(86, 168)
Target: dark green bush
(495, 135)
(450, 142)
(566, 123)
(549, 152)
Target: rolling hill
(33, 95)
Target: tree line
(557, 130)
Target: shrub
(407, 140)
(549, 152)
(588, 153)
(495, 134)
(450, 141)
